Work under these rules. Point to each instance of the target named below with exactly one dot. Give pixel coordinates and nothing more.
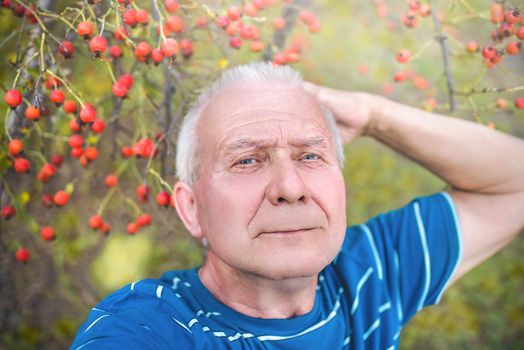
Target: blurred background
(354, 47)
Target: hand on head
(353, 111)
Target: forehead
(258, 111)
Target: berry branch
(441, 38)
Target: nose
(287, 184)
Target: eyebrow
(249, 143)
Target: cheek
(329, 190)
(228, 204)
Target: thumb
(311, 88)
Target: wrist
(379, 107)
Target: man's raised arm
(484, 167)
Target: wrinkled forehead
(243, 104)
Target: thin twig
(441, 38)
(489, 90)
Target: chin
(292, 267)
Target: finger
(311, 88)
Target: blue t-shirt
(387, 270)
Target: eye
(246, 161)
(310, 156)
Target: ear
(186, 207)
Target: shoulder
(147, 314)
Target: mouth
(289, 232)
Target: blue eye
(246, 161)
(311, 156)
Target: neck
(258, 296)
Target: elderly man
(259, 161)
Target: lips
(288, 231)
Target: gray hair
(252, 73)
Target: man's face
(270, 196)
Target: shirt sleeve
(139, 328)
(416, 250)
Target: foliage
(44, 300)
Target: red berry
(142, 192)
(143, 220)
(91, 153)
(21, 165)
(472, 47)
(115, 51)
(76, 141)
(15, 147)
(497, 13)
(144, 148)
(85, 29)
(187, 48)
(105, 228)
(121, 33)
(403, 56)
(95, 222)
(47, 171)
(175, 24)
(132, 228)
(157, 55)
(142, 16)
(307, 17)
(519, 102)
(512, 17)
(22, 255)
(172, 201)
(250, 10)
(400, 76)
(119, 89)
(130, 17)
(8, 212)
(57, 160)
(98, 126)
(489, 52)
(520, 33)
(409, 19)
(279, 23)
(77, 152)
(248, 32)
(61, 198)
(127, 151)
(162, 199)
(235, 42)
(57, 97)
(47, 200)
(513, 48)
(66, 48)
(13, 98)
(87, 114)
(69, 106)
(234, 13)
(52, 82)
(172, 6)
(47, 233)
(127, 80)
(222, 22)
(74, 126)
(32, 112)
(111, 180)
(169, 47)
(142, 49)
(256, 46)
(98, 44)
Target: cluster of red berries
(507, 34)
(415, 8)
(20, 10)
(141, 221)
(97, 223)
